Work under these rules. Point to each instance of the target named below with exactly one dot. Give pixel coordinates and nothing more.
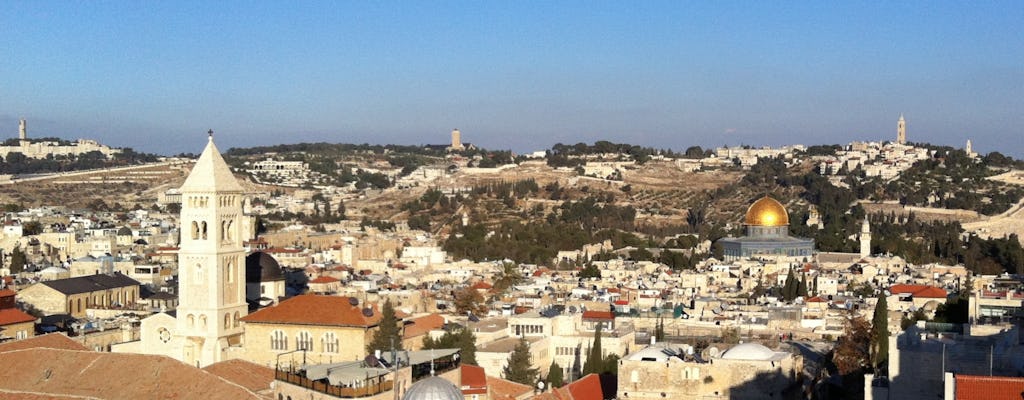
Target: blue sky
(520, 75)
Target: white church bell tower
(211, 261)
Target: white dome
(433, 388)
(748, 351)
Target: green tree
(520, 366)
(791, 288)
(595, 358)
(659, 330)
(469, 300)
(852, 353)
(388, 335)
(555, 378)
(591, 271)
(880, 332)
(802, 286)
(461, 338)
(17, 260)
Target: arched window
(191, 321)
(236, 319)
(202, 321)
(278, 340)
(329, 342)
(227, 321)
(223, 230)
(203, 229)
(228, 234)
(230, 271)
(195, 230)
(304, 341)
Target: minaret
(865, 239)
(901, 130)
(968, 149)
(22, 130)
(211, 260)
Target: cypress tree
(802, 288)
(555, 378)
(880, 332)
(519, 367)
(789, 290)
(595, 361)
(388, 334)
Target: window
(191, 321)
(21, 335)
(236, 319)
(202, 321)
(195, 230)
(329, 342)
(278, 340)
(227, 321)
(303, 341)
(203, 229)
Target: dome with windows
(433, 388)
(766, 212)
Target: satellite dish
(368, 312)
(572, 309)
(713, 351)
(353, 301)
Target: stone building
(746, 371)
(75, 295)
(767, 225)
(323, 329)
(14, 323)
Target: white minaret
(901, 130)
(211, 261)
(865, 239)
(968, 149)
(22, 130)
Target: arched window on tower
(203, 229)
(191, 321)
(202, 321)
(223, 230)
(227, 321)
(195, 230)
(236, 319)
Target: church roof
(211, 173)
(90, 283)
(317, 310)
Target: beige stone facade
(266, 343)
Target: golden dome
(766, 212)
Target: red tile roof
(7, 293)
(971, 387)
(482, 285)
(422, 325)
(586, 388)
(316, 310)
(919, 291)
(590, 314)
(254, 377)
(10, 316)
(58, 373)
(816, 299)
(474, 381)
(51, 341)
(503, 389)
(324, 279)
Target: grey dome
(262, 267)
(433, 388)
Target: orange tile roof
(10, 316)
(586, 388)
(254, 377)
(474, 380)
(50, 341)
(591, 314)
(482, 285)
(316, 310)
(970, 387)
(422, 325)
(324, 279)
(7, 293)
(919, 291)
(503, 389)
(88, 374)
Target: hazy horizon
(520, 76)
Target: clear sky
(520, 75)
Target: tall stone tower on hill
(211, 260)
(901, 130)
